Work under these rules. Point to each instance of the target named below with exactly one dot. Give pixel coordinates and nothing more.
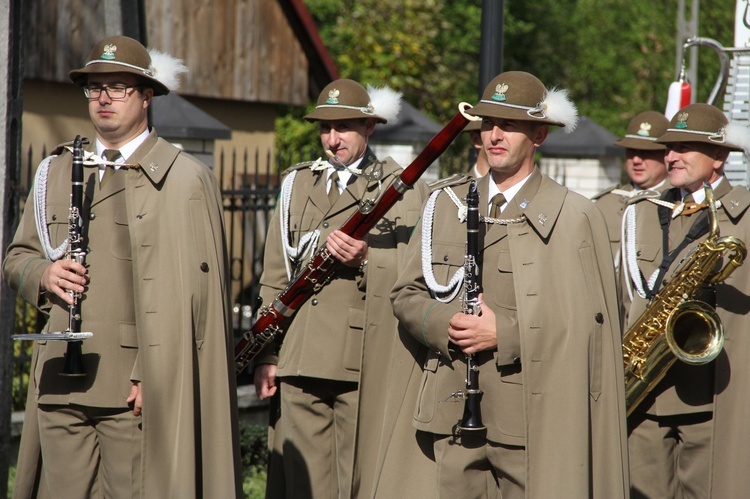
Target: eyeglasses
(114, 92)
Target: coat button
(315, 301)
(325, 225)
(516, 360)
(92, 216)
(599, 317)
(54, 217)
(139, 217)
(204, 267)
(445, 258)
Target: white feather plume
(558, 107)
(738, 135)
(385, 101)
(167, 69)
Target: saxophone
(676, 325)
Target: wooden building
(245, 57)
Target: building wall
(52, 113)
(234, 49)
(586, 176)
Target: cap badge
(681, 121)
(333, 96)
(109, 51)
(645, 130)
(500, 90)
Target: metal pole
(134, 25)
(11, 110)
(687, 27)
(491, 49)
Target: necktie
(333, 191)
(688, 206)
(110, 155)
(495, 203)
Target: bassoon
(273, 318)
(472, 417)
(75, 251)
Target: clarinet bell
(472, 417)
(73, 361)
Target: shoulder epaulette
(59, 148)
(457, 179)
(299, 166)
(606, 191)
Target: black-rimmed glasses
(114, 92)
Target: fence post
(11, 57)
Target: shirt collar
(128, 149)
(509, 193)
(344, 173)
(700, 195)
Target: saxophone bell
(694, 332)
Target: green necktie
(333, 192)
(497, 201)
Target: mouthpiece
(335, 159)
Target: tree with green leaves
(615, 56)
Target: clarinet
(470, 304)
(75, 251)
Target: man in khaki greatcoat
(547, 341)
(689, 436)
(155, 413)
(318, 365)
(644, 166)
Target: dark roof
(175, 117)
(411, 126)
(588, 140)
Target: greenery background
(616, 57)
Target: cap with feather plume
(517, 95)
(346, 99)
(706, 123)
(121, 54)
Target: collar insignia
(542, 218)
(153, 167)
(500, 90)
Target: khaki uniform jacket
(324, 340)
(723, 385)
(175, 228)
(559, 390)
(613, 207)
